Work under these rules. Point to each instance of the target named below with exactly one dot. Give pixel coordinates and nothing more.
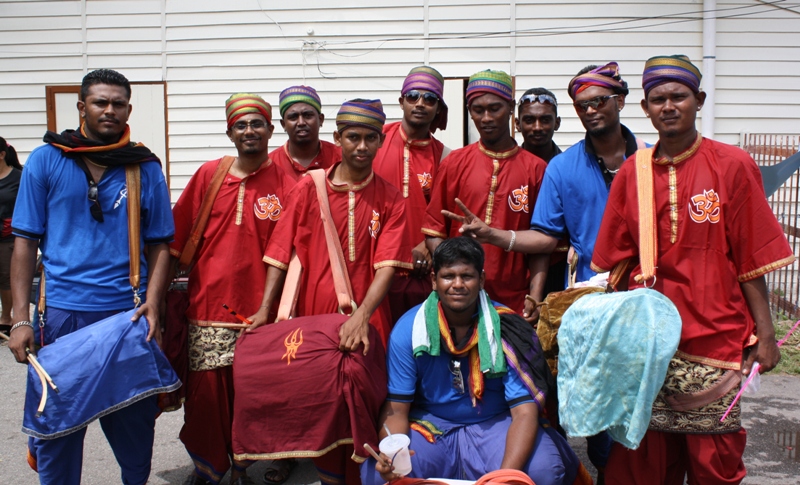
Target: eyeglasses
(542, 98)
(595, 103)
(429, 99)
(254, 124)
(95, 209)
(458, 377)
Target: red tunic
(500, 188)
(227, 263)
(370, 220)
(327, 156)
(722, 233)
(413, 174)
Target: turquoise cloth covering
(613, 358)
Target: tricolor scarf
(123, 152)
(485, 347)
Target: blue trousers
(467, 452)
(130, 431)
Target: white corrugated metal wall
(206, 50)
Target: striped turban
(604, 76)
(664, 69)
(428, 79)
(490, 82)
(299, 94)
(241, 104)
(365, 113)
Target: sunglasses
(241, 126)
(595, 103)
(458, 377)
(94, 208)
(429, 99)
(542, 98)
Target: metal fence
(783, 284)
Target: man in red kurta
(246, 210)
(369, 216)
(301, 118)
(716, 239)
(498, 181)
(409, 160)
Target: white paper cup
(396, 447)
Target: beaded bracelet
(513, 240)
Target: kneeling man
(467, 383)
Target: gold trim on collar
(498, 155)
(348, 187)
(682, 156)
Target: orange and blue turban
(664, 69)
(428, 79)
(299, 94)
(490, 82)
(241, 104)
(606, 76)
(365, 113)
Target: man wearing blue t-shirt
(72, 205)
(467, 383)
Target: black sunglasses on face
(595, 103)
(94, 208)
(413, 96)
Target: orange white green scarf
(485, 347)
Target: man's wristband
(23, 323)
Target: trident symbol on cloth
(292, 344)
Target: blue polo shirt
(573, 197)
(427, 382)
(87, 263)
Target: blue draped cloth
(614, 350)
(98, 369)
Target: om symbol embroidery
(375, 225)
(268, 207)
(705, 207)
(518, 200)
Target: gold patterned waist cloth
(694, 398)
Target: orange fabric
(505, 477)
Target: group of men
(466, 376)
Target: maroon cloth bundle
(297, 395)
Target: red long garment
(423, 164)
(370, 220)
(327, 156)
(501, 189)
(227, 264)
(722, 233)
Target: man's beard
(601, 131)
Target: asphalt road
(772, 418)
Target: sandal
(279, 471)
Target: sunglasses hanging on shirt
(93, 194)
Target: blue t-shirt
(427, 382)
(87, 263)
(572, 200)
